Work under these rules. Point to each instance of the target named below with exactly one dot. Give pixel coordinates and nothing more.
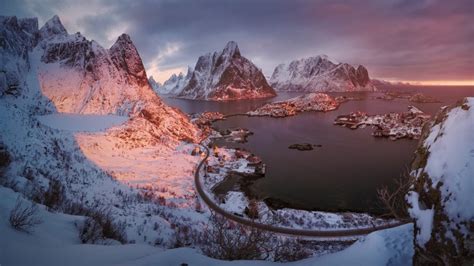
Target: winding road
(282, 230)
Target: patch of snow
(77, 122)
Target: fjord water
(346, 171)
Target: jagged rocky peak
(231, 49)
(124, 54)
(53, 27)
(17, 35)
(226, 75)
(320, 74)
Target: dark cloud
(401, 39)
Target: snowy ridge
(441, 197)
(224, 75)
(320, 74)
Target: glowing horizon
(433, 82)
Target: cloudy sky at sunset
(422, 41)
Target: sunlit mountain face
(248, 132)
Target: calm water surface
(351, 164)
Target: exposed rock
(422, 98)
(238, 135)
(320, 74)
(441, 197)
(301, 147)
(304, 103)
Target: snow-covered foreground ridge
(441, 197)
(55, 242)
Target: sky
(425, 41)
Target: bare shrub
(394, 200)
(90, 231)
(24, 217)
(54, 196)
(100, 226)
(290, 250)
(252, 209)
(227, 240)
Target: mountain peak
(124, 53)
(231, 48)
(52, 27)
(124, 38)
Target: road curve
(282, 230)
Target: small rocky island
(303, 146)
(309, 102)
(392, 125)
(410, 96)
(238, 135)
(422, 98)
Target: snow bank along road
(283, 230)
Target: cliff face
(441, 197)
(320, 74)
(226, 75)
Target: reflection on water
(341, 175)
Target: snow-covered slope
(441, 198)
(226, 75)
(320, 74)
(176, 83)
(55, 242)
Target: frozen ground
(78, 122)
(55, 242)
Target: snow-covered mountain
(46, 71)
(320, 74)
(155, 85)
(175, 84)
(226, 75)
(80, 76)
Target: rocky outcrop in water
(393, 125)
(309, 102)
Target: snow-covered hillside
(320, 74)
(55, 242)
(441, 198)
(224, 75)
(84, 167)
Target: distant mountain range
(226, 75)
(320, 74)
